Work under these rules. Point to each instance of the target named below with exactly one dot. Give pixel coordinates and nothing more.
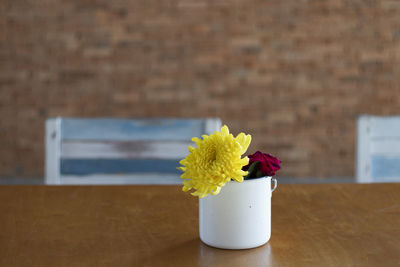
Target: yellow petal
(246, 143)
(238, 179)
(196, 140)
(243, 173)
(225, 130)
(244, 161)
(240, 138)
(196, 193)
(216, 191)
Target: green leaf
(252, 170)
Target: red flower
(267, 165)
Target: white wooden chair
(119, 151)
(378, 149)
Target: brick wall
(295, 74)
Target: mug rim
(252, 179)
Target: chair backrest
(119, 151)
(378, 149)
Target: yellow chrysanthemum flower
(215, 161)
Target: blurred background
(294, 74)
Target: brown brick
(294, 75)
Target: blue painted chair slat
(118, 166)
(384, 168)
(128, 130)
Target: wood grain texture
(312, 225)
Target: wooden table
(312, 225)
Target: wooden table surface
(312, 225)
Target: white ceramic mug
(239, 217)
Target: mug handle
(275, 184)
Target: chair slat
(126, 149)
(132, 178)
(130, 130)
(117, 166)
(385, 168)
(385, 146)
(378, 149)
(385, 127)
